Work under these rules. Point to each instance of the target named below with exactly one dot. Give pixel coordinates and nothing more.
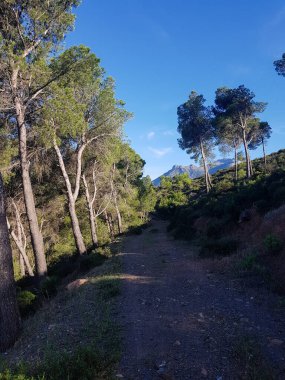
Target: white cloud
(150, 135)
(168, 133)
(160, 152)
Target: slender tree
(9, 314)
(238, 106)
(261, 136)
(82, 109)
(227, 138)
(30, 32)
(197, 132)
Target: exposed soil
(182, 322)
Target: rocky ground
(180, 321)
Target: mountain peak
(195, 171)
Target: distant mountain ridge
(195, 171)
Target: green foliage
(92, 260)
(26, 302)
(109, 288)
(273, 245)
(248, 262)
(48, 286)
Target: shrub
(49, 286)
(216, 227)
(92, 260)
(103, 251)
(273, 244)
(248, 262)
(62, 268)
(221, 247)
(26, 302)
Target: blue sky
(160, 50)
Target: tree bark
(36, 235)
(264, 156)
(247, 156)
(207, 175)
(10, 322)
(79, 242)
(92, 222)
(119, 217)
(109, 226)
(236, 165)
(21, 250)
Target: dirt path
(181, 322)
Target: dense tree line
(72, 181)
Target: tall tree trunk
(247, 156)
(206, 172)
(264, 156)
(78, 238)
(10, 322)
(21, 250)
(89, 202)
(19, 232)
(36, 235)
(236, 165)
(119, 217)
(109, 225)
(79, 242)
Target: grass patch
(98, 347)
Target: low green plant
(92, 260)
(248, 262)
(272, 244)
(109, 288)
(104, 251)
(26, 302)
(49, 286)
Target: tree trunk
(21, 250)
(119, 219)
(207, 175)
(247, 156)
(36, 235)
(80, 246)
(10, 322)
(108, 225)
(264, 156)
(236, 165)
(19, 232)
(78, 238)
(89, 202)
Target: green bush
(92, 260)
(221, 247)
(103, 251)
(26, 302)
(49, 286)
(215, 228)
(62, 268)
(272, 244)
(7, 375)
(248, 262)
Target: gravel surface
(180, 321)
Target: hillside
(195, 171)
